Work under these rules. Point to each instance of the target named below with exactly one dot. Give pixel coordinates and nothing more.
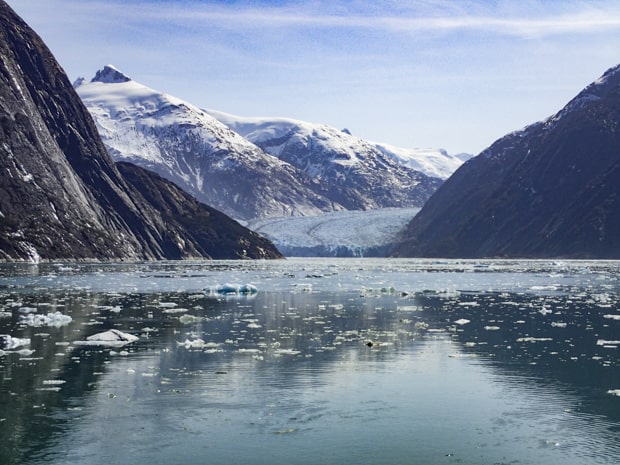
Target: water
(332, 361)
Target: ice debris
(233, 289)
(12, 343)
(51, 319)
(614, 392)
(112, 337)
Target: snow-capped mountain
(201, 155)
(389, 176)
(299, 141)
(251, 170)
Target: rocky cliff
(62, 196)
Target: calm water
(331, 361)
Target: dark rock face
(192, 225)
(61, 195)
(550, 190)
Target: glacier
(336, 234)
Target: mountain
(303, 170)
(61, 194)
(187, 146)
(316, 147)
(353, 172)
(548, 190)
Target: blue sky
(429, 73)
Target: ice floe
(232, 289)
(51, 319)
(112, 338)
(12, 343)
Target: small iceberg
(112, 338)
(233, 289)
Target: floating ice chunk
(603, 342)
(492, 328)
(54, 382)
(238, 289)
(612, 317)
(286, 352)
(25, 352)
(189, 319)
(249, 351)
(614, 392)
(5, 314)
(112, 337)
(462, 321)
(12, 343)
(558, 324)
(534, 339)
(27, 310)
(192, 344)
(167, 304)
(407, 308)
(175, 310)
(51, 319)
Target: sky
(447, 74)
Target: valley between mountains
(281, 177)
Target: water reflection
(435, 366)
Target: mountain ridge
(206, 157)
(531, 193)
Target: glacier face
(275, 168)
(337, 234)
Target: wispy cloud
(435, 17)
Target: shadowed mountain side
(208, 230)
(549, 190)
(61, 195)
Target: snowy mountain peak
(110, 75)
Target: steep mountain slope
(193, 228)
(352, 172)
(549, 190)
(61, 195)
(305, 170)
(186, 145)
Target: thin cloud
(588, 20)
